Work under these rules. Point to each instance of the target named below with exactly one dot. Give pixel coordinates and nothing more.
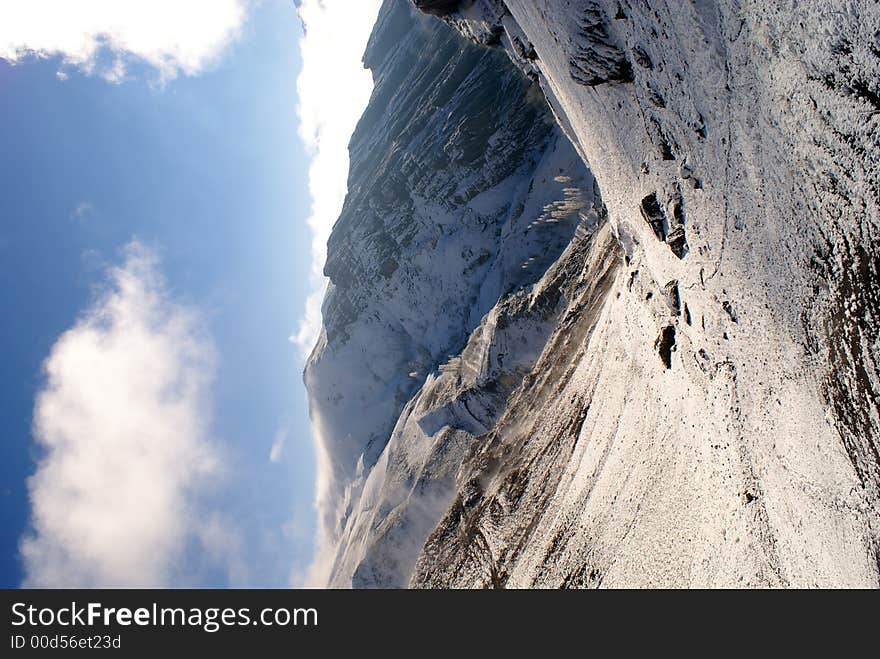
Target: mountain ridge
(699, 406)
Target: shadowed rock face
(437, 7)
(597, 57)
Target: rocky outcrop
(596, 57)
(437, 7)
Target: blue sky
(208, 172)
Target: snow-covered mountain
(520, 384)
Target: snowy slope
(461, 189)
(697, 403)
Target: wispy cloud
(171, 36)
(278, 446)
(333, 89)
(83, 211)
(123, 419)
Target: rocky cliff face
(462, 192)
(682, 394)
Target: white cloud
(278, 446)
(333, 89)
(171, 36)
(123, 419)
(83, 210)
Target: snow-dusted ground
(689, 395)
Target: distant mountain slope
(685, 394)
(461, 191)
